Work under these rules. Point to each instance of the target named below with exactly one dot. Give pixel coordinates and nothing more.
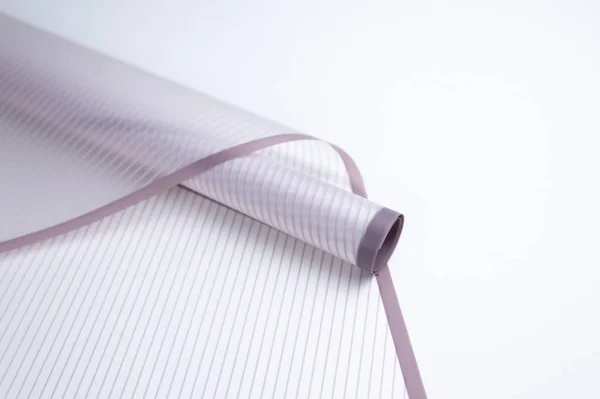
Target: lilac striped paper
(84, 136)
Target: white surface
(479, 123)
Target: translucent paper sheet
(83, 136)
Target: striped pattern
(105, 130)
(182, 297)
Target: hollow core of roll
(389, 244)
(379, 240)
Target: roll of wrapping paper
(116, 135)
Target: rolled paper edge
(379, 240)
(375, 248)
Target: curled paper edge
(377, 243)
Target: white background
(478, 120)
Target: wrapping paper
(84, 136)
(111, 123)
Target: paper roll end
(380, 240)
